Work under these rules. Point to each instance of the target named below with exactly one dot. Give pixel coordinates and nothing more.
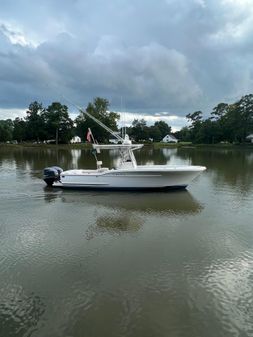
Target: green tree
(155, 133)
(99, 109)
(58, 123)
(208, 132)
(196, 122)
(35, 125)
(245, 112)
(195, 117)
(6, 130)
(184, 135)
(140, 131)
(163, 127)
(219, 111)
(234, 121)
(19, 131)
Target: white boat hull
(139, 178)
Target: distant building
(169, 139)
(114, 140)
(75, 140)
(49, 141)
(250, 137)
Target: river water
(98, 264)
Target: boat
(128, 175)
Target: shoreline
(155, 145)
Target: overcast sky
(157, 58)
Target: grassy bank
(189, 144)
(48, 146)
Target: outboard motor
(52, 174)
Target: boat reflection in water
(179, 202)
(125, 212)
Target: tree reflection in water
(114, 224)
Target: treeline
(227, 123)
(54, 124)
(40, 124)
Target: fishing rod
(94, 119)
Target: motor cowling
(52, 174)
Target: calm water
(126, 264)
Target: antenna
(123, 114)
(123, 120)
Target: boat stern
(52, 175)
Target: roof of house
(171, 136)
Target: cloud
(201, 3)
(150, 76)
(15, 36)
(12, 113)
(175, 122)
(169, 55)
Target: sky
(152, 59)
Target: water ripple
(20, 313)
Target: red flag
(89, 135)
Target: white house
(250, 137)
(114, 140)
(75, 140)
(169, 139)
